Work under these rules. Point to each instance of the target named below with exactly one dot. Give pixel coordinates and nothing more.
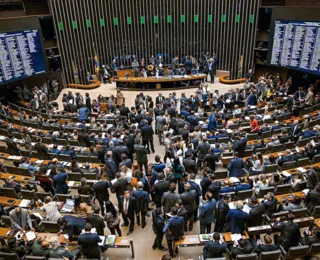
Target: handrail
(96, 83)
(226, 80)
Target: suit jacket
(237, 220)
(85, 190)
(175, 225)
(214, 249)
(83, 139)
(132, 206)
(290, 234)
(120, 186)
(270, 206)
(89, 245)
(159, 189)
(240, 146)
(25, 220)
(157, 223)
(160, 99)
(60, 183)
(255, 215)
(12, 147)
(264, 248)
(206, 215)
(111, 167)
(97, 222)
(42, 151)
(101, 190)
(189, 165)
(189, 201)
(242, 251)
(141, 153)
(235, 167)
(222, 211)
(142, 199)
(169, 200)
(202, 150)
(312, 199)
(160, 122)
(147, 133)
(211, 160)
(295, 130)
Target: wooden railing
(96, 83)
(226, 80)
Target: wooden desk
(260, 229)
(158, 80)
(190, 240)
(19, 178)
(317, 222)
(9, 201)
(124, 242)
(228, 239)
(289, 196)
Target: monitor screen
(296, 45)
(21, 55)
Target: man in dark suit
(127, 207)
(206, 215)
(159, 189)
(60, 182)
(256, 212)
(295, 131)
(83, 138)
(270, 204)
(192, 119)
(172, 112)
(290, 232)
(244, 247)
(111, 166)
(124, 111)
(189, 198)
(240, 146)
(147, 136)
(211, 159)
(142, 202)
(141, 155)
(101, 192)
(214, 187)
(42, 150)
(189, 164)
(237, 218)
(184, 132)
(202, 150)
(71, 225)
(160, 99)
(266, 246)
(157, 227)
(222, 211)
(213, 249)
(235, 166)
(96, 221)
(12, 146)
(89, 243)
(173, 230)
(313, 198)
(120, 186)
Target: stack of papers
(24, 203)
(14, 158)
(31, 235)
(234, 180)
(235, 237)
(286, 174)
(71, 183)
(39, 161)
(300, 169)
(246, 208)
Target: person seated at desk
(10, 183)
(274, 140)
(265, 246)
(89, 243)
(20, 219)
(263, 182)
(84, 188)
(241, 247)
(14, 246)
(80, 208)
(227, 187)
(51, 209)
(290, 232)
(60, 182)
(311, 236)
(214, 249)
(71, 225)
(297, 179)
(295, 204)
(69, 150)
(55, 150)
(237, 218)
(244, 185)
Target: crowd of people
(181, 187)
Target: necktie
(126, 207)
(149, 185)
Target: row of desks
(120, 242)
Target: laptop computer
(68, 206)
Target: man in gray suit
(20, 219)
(141, 155)
(35, 104)
(202, 150)
(160, 122)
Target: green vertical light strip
(156, 19)
(210, 18)
(142, 20)
(223, 18)
(101, 22)
(128, 20)
(88, 23)
(115, 21)
(74, 25)
(196, 18)
(169, 19)
(183, 18)
(60, 25)
(237, 18)
(251, 19)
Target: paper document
(24, 203)
(31, 235)
(37, 215)
(246, 208)
(71, 183)
(232, 205)
(235, 237)
(234, 179)
(39, 161)
(103, 240)
(306, 191)
(286, 174)
(300, 169)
